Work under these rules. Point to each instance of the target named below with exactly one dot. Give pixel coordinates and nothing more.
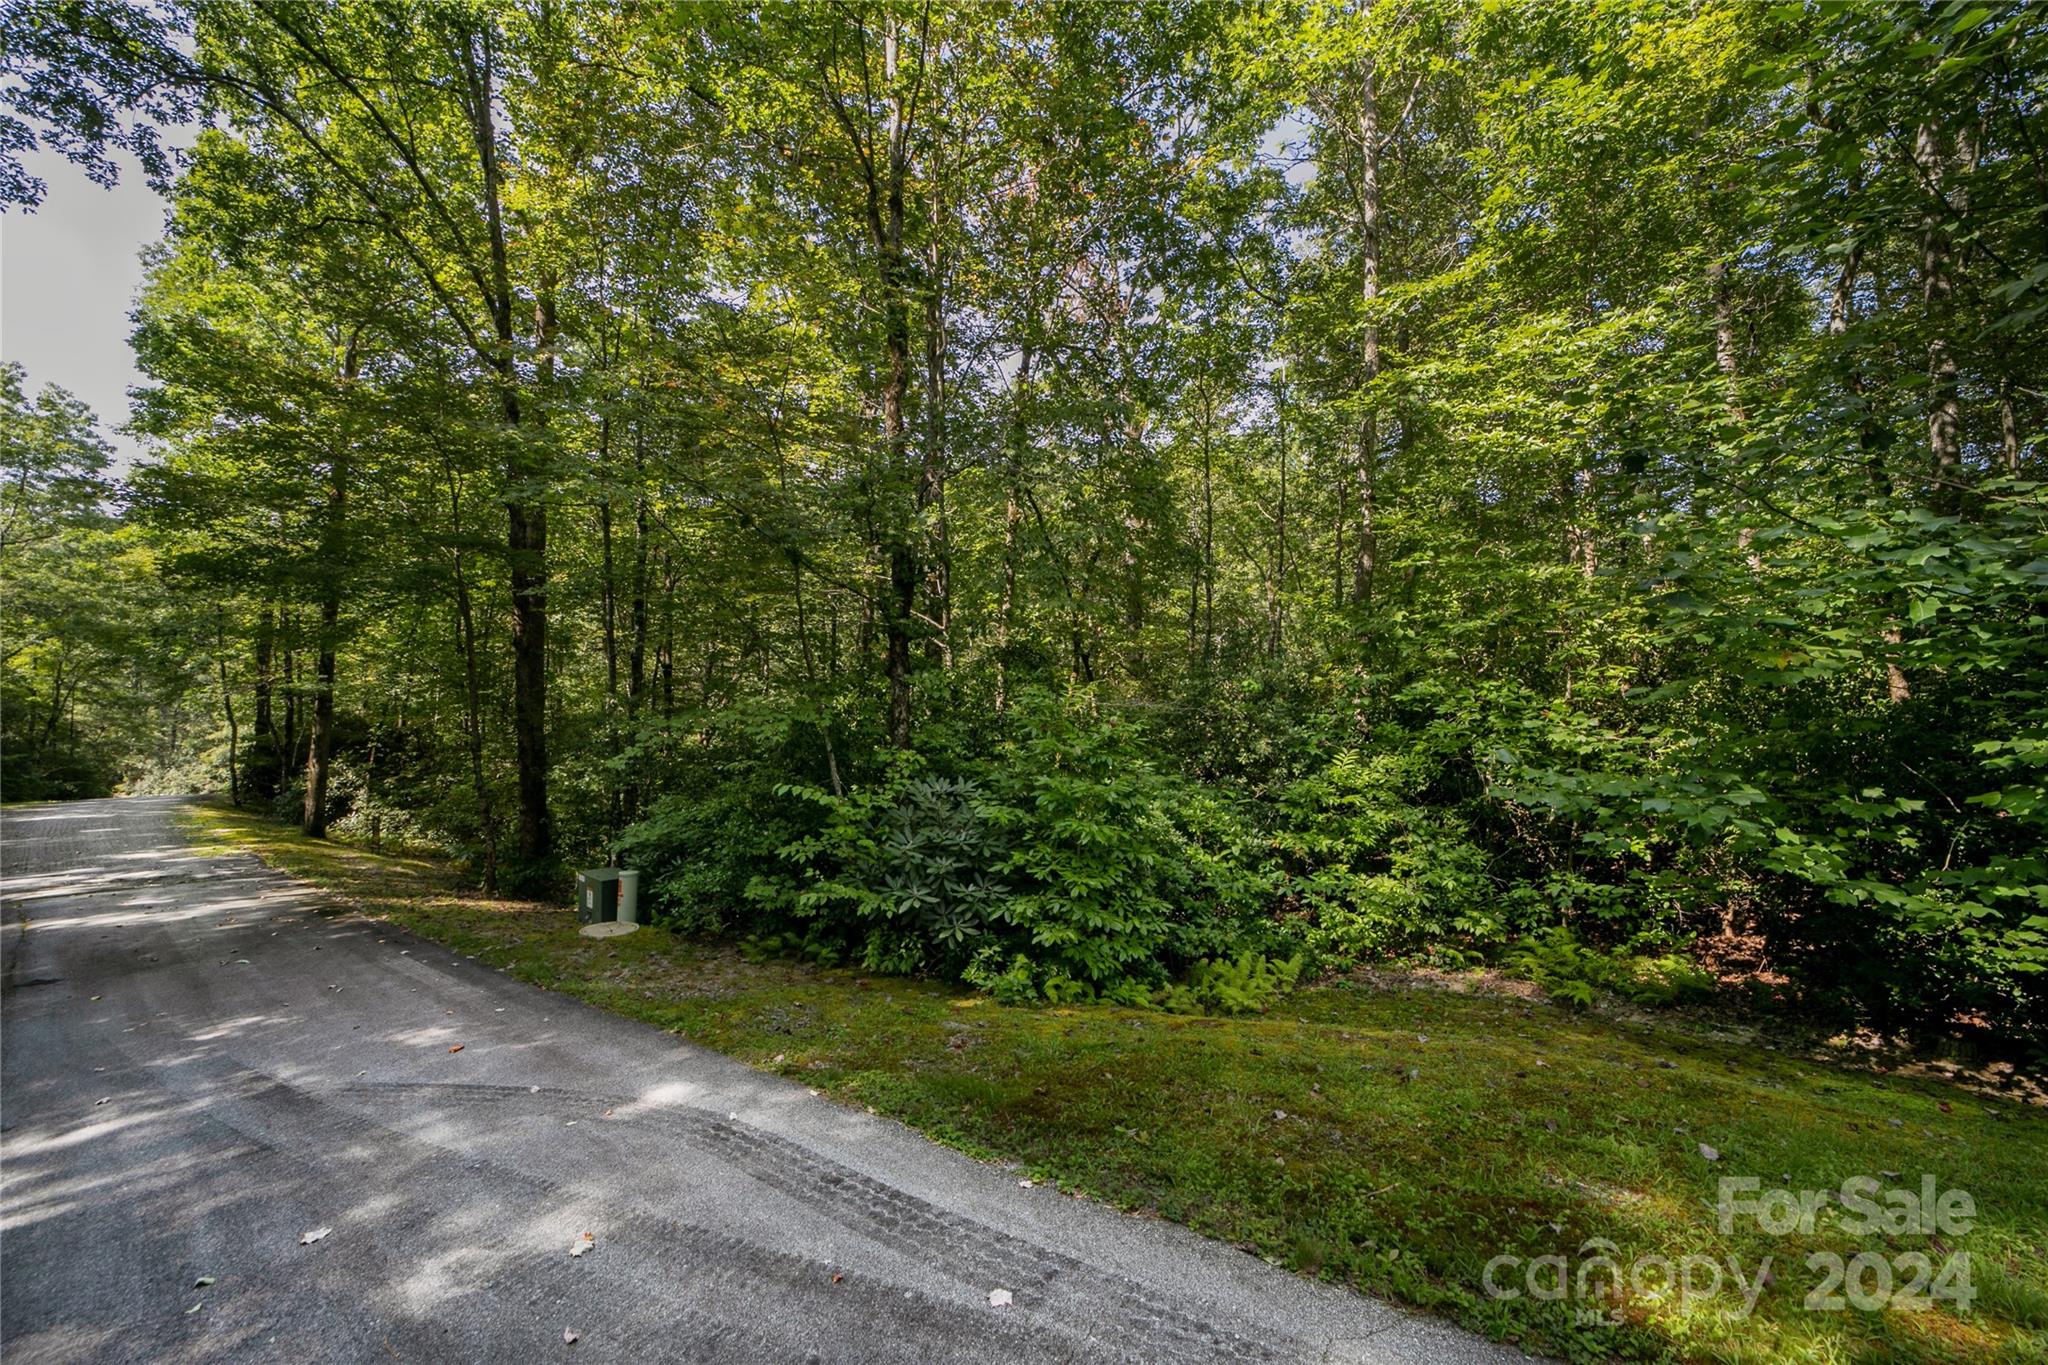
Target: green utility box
(597, 895)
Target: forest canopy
(1056, 496)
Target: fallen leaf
(202, 1282)
(97, 1103)
(1709, 1153)
(307, 1239)
(837, 1277)
(1945, 1108)
(195, 1308)
(457, 1048)
(999, 1298)
(570, 1336)
(587, 1242)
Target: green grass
(1391, 1139)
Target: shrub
(709, 848)
(1093, 856)
(1062, 866)
(1378, 870)
(1572, 972)
(909, 871)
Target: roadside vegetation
(1081, 549)
(1376, 1131)
(1096, 509)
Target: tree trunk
(290, 734)
(636, 615)
(1841, 304)
(1366, 565)
(608, 609)
(881, 160)
(472, 694)
(56, 713)
(803, 634)
(608, 595)
(2008, 429)
(266, 719)
(1340, 560)
(333, 552)
(1013, 513)
(526, 536)
(320, 740)
(897, 609)
(1581, 545)
(636, 611)
(1278, 610)
(1726, 361)
(667, 660)
(885, 203)
(1937, 290)
(1206, 574)
(227, 703)
(904, 569)
(932, 476)
(528, 544)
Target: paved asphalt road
(198, 1069)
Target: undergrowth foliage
(1063, 866)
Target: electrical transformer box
(597, 895)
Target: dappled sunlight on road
(230, 1028)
